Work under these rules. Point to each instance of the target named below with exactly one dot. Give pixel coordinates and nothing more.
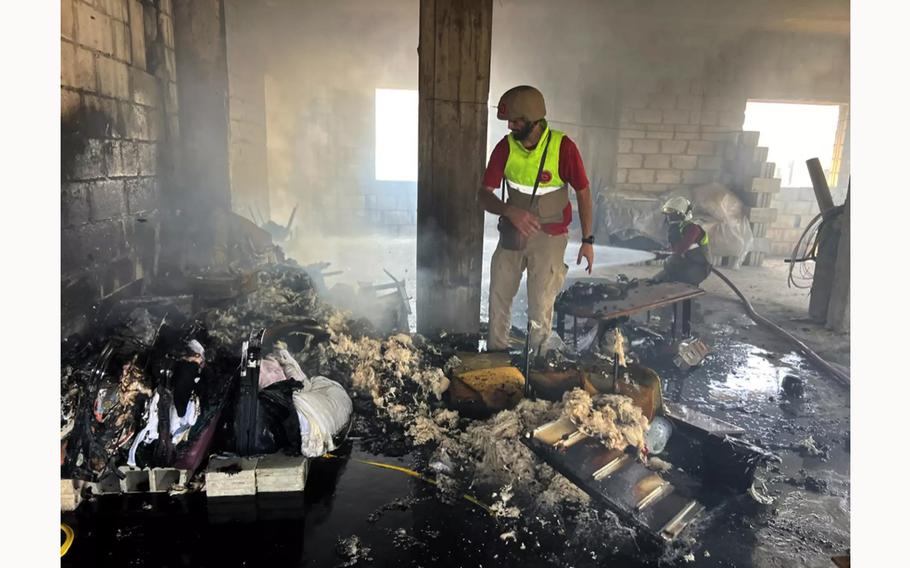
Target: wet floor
(357, 514)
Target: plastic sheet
(639, 223)
(324, 410)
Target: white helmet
(678, 204)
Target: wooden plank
(454, 84)
(839, 302)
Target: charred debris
(164, 382)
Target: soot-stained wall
(118, 112)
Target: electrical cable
(811, 355)
(418, 475)
(801, 253)
(70, 537)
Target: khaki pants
(543, 258)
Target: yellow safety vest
(521, 169)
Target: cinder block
(147, 158)
(85, 73)
(646, 146)
(673, 146)
(135, 119)
(134, 480)
(144, 88)
(137, 34)
(684, 162)
(675, 116)
(89, 163)
(698, 176)
(230, 477)
(113, 158)
(106, 199)
(669, 176)
(66, 19)
(701, 148)
(657, 161)
(659, 135)
(162, 479)
(113, 78)
(120, 37)
(710, 162)
(109, 484)
(765, 185)
(93, 28)
(279, 473)
(70, 101)
(627, 133)
(648, 116)
(67, 64)
(681, 135)
(621, 175)
(624, 146)
(641, 176)
(686, 128)
(629, 161)
(166, 26)
(761, 214)
(141, 195)
(749, 138)
(117, 9)
(628, 187)
(70, 494)
(74, 208)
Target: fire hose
(808, 353)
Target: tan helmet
(521, 102)
(678, 204)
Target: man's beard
(524, 132)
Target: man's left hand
(586, 251)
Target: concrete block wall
(672, 135)
(114, 108)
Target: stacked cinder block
(752, 177)
(796, 207)
(118, 103)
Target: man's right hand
(525, 221)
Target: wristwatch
(588, 240)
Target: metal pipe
(811, 355)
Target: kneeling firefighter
(688, 261)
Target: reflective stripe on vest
(702, 242)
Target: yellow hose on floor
(412, 473)
(70, 537)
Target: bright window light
(794, 133)
(396, 135)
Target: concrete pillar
(454, 85)
(203, 180)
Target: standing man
(539, 212)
